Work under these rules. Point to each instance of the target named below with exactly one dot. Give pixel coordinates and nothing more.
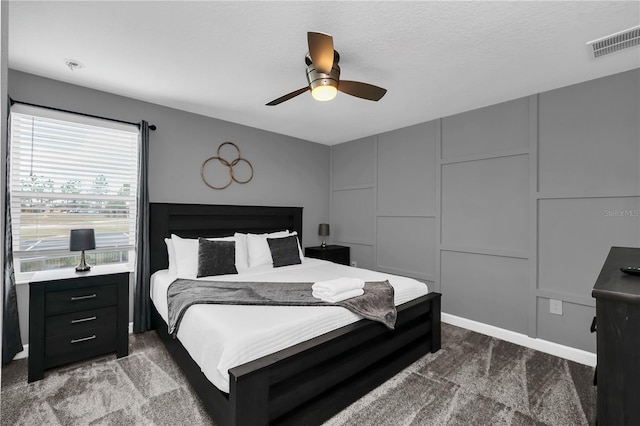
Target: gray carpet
(472, 380)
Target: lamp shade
(82, 239)
(323, 229)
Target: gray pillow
(284, 251)
(216, 257)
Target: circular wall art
(231, 166)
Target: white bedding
(219, 337)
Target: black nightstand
(332, 253)
(77, 315)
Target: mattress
(220, 337)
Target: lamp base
(83, 266)
(324, 244)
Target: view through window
(67, 172)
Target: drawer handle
(90, 296)
(84, 339)
(76, 321)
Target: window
(69, 171)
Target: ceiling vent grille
(615, 42)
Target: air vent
(614, 42)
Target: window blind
(66, 172)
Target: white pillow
(242, 257)
(300, 252)
(186, 253)
(258, 248)
(172, 256)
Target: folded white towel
(333, 298)
(337, 286)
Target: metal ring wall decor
(229, 164)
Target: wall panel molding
(427, 216)
(407, 273)
(376, 198)
(356, 241)
(351, 187)
(486, 156)
(532, 330)
(438, 208)
(565, 196)
(516, 254)
(566, 297)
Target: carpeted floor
(472, 380)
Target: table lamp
(81, 240)
(323, 231)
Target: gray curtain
(11, 339)
(141, 300)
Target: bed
(311, 381)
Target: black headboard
(207, 220)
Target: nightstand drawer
(79, 345)
(80, 299)
(78, 322)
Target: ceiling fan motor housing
(317, 78)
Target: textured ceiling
(227, 59)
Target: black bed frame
(310, 382)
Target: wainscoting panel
(495, 128)
(353, 163)
(488, 289)
(351, 216)
(362, 255)
(405, 246)
(589, 137)
(529, 195)
(571, 328)
(575, 236)
(407, 171)
(485, 203)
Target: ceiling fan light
(324, 93)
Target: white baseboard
(567, 352)
(25, 347)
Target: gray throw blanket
(375, 304)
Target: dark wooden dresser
(77, 315)
(332, 253)
(618, 328)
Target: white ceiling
(227, 59)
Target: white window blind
(69, 171)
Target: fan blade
(361, 90)
(288, 96)
(321, 51)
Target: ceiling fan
(323, 74)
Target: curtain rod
(13, 101)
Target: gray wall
(501, 208)
(288, 171)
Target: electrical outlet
(555, 306)
(354, 263)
